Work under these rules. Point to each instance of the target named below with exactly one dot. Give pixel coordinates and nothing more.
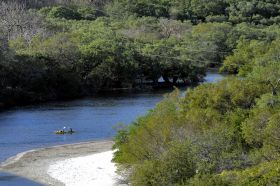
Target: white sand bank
(37, 164)
(96, 169)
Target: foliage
(217, 134)
(257, 12)
(263, 174)
(175, 165)
(63, 13)
(231, 127)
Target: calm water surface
(93, 118)
(11, 180)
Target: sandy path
(34, 164)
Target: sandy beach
(96, 169)
(74, 164)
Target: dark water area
(11, 180)
(32, 127)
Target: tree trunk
(166, 79)
(175, 78)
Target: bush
(64, 13)
(89, 13)
(174, 166)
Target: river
(26, 128)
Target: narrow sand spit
(36, 164)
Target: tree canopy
(217, 134)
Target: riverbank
(114, 92)
(40, 165)
(148, 87)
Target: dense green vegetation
(60, 49)
(217, 134)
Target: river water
(32, 127)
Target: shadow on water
(11, 180)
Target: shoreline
(112, 91)
(34, 164)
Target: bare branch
(17, 21)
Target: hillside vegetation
(217, 134)
(62, 49)
(226, 133)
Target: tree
(6, 56)
(16, 21)
(107, 59)
(63, 13)
(202, 8)
(213, 38)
